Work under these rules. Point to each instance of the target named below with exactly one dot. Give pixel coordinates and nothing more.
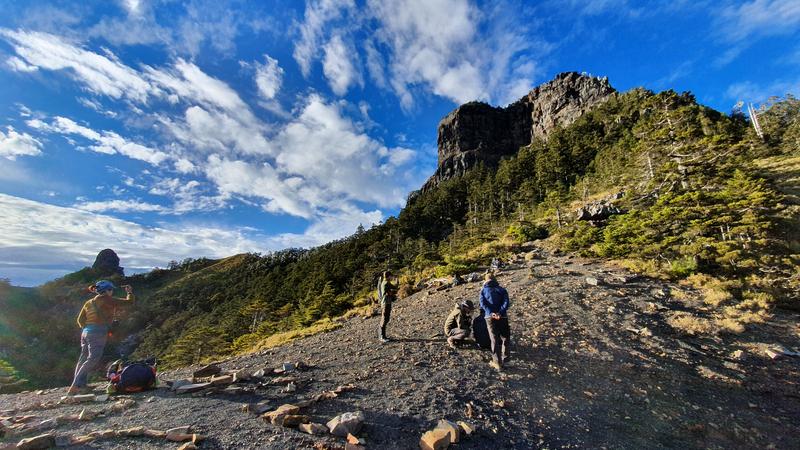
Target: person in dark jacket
(480, 332)
(387, 294)
(457, 326)
(494, 301)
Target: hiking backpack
(131, 377)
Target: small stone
(207, 371)
(593, 281)
(40, 442)
(71, 399)
(350, 422)
(184, 429)
(291, 387)
(189, 388)
(260, 373)
(288, 367)
(466, 428)
(221, 380)
(188, 446)
(257, 408)
(122, 404)
(241, 375)
(177, 437)
(737, 355)
(313, 428)
(293, 420)
(451, 428)
(101, 398)
(197, 438)
(436, 439)
(353, 439)
(276, 417)
(155, 434)
(133, 432)
(86, 415)
(179, 383)
(81, 440)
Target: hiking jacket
(494, 299)
(457, 319)
(387, 291)
(99, 311)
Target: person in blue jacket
(494, 302)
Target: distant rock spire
(107, 263)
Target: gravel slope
(593, 367)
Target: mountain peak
(478, 132)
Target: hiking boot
(496, 366)
(451, 343)
(74, 390)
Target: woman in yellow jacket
(95, 320)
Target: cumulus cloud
(107, 142)
(269, 77)
(449, 48)
(13, 144)
(326, 148)
(327, 228)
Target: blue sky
(167, 129)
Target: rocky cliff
(476, 132)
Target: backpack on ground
(131, 377)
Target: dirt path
(593, 367)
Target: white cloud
(328, 227)
(268, 78)
(125, 206)
(760, 18)
(107, 142)
(337, 65)
(448, 47)
(261, 181)
(748, 91)
(38, 235)
(19, 65)
(100, 74)
(325, 147)
(13, 144)
(317, 16)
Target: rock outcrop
(476, 132)
(107, 263)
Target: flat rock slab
(189, 388)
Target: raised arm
(129, 297)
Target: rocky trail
(594, 365)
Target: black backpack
(131, 377)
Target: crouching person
(95, 320)
(457, 327)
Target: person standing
(494, 301)
(95, 320)
(458, 325)
(387, 294)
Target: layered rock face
(476, 132)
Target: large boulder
(107, 263)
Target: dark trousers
(458, 334)
(386, 314)
(500, 337)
